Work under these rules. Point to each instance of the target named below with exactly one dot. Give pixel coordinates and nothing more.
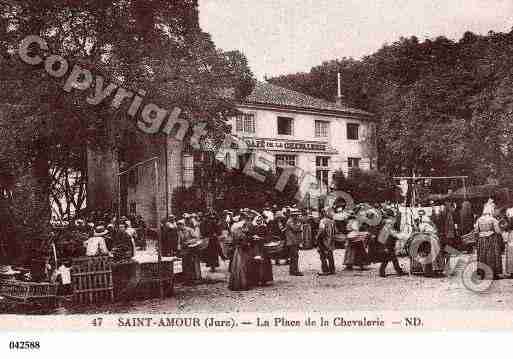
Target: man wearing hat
(96, 246)
(293, 229)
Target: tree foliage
(369, 186)
(444, 107)
(155, 46)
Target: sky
(287, 36)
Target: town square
(181, 157)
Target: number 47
(97, 322)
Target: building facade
(299, 131)
(313, 135)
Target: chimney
(339, 100)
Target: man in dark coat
(447, 229)
(122, 246)
(293, 233)
(388, 238)
(326, 244)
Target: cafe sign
(283, 145)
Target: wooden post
(166, 178)
(159, 232)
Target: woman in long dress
(263, 268)
(489, 243)
(210, 229)
(190, 256)
(507, 235)
(240, 265)
(355, 254)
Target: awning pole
(159, 233)
(464, 189)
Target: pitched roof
(269, 94)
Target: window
(133, 207)
(352, 131)
(322, 171)
(353, 162)
(322, 176)
(322, 128)
(322, 161)
(285, 126)
(245, 122)
(285, 161)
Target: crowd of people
(98, 234)
(250, 240)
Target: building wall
(149, 195)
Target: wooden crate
(149, 280)
(91, 278)
(41, 295)
(150, 271)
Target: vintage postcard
(223, 165)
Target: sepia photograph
(278, 164)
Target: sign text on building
(277, 145)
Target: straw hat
(100, 231)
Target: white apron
(508, 262)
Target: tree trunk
(30, 211)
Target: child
(62, 275)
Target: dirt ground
(347, 290)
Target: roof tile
(267, 93)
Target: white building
(315, 135)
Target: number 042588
(24, 345)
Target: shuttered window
(245, 122)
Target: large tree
(155, 46)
